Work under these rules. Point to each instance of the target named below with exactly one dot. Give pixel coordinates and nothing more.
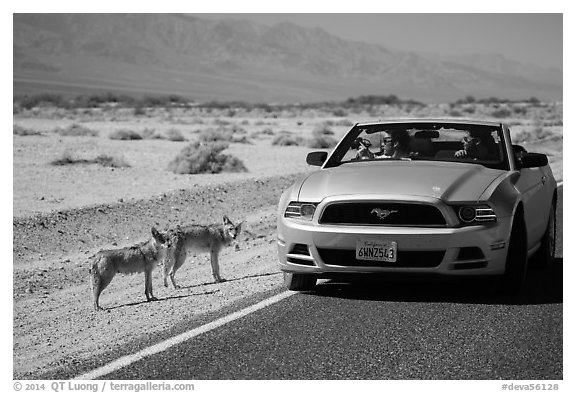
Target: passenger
(397, 146)
(478, 146)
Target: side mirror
(533, 160)
(316, 158)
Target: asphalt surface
(383, 330)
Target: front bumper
(309, 248)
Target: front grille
(300, 255)
(382, 213)
(338, 257)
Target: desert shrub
(220, 134)
(501, 113)
(469, 109)
(519, 110)
(23, 131)
(535, 134)
(68, 158)
(286, 139)
(339, 112)
(139, 111)
(236, 129)
(196, 120)
(124, 134)
(199, 157)
(111, 161)
(175, 135)
(76, 130)
(266, 132)
(150, 133)
(522, 137)
(323, 129)
(322, 137)
(320, 141)
(220, 122)
(41, 100)
(240, 139)
(343, 123)
(541, 132)
(455, 113)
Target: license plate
(379, 251)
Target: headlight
(302, 210)
(473, 214)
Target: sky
(534, 37)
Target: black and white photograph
(363, 197)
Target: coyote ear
(226, 220)
(157, 235)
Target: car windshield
(469, 143)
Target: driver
(397, 146)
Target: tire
(299, 282)
(516, 259)
(544, 257)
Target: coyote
(197, 238)
(141, 257)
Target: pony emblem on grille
(382, 213)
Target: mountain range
(239, 60)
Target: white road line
(162, 346)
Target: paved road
(426, 330)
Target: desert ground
(62, 214)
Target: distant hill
(143, 54)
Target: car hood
(446, 181)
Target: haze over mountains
(146, 54)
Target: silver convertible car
(426, 197)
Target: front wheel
(299, 282)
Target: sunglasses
(468, 139)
